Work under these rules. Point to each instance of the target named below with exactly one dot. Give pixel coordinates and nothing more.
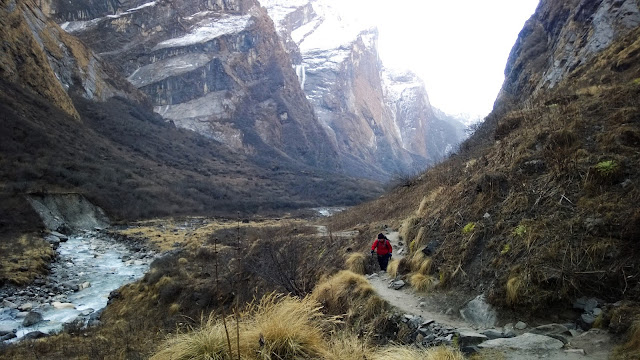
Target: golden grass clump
(347, 347)
(426, 267)
(416, 260)
(355, 263)
(392, 267)
(421, 282)
(513, 290)
(407, 353)
(338, 293)
(277, 327)
(408, 228)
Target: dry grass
(513, 290)
(277, 327)
(406, 353)
(356, 263)
(416, 260)
(392, 268)
(338, 293)
(426, 267)
(23, 258)
(631, 348)
(345, 346)
(421, 282)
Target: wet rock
(32, 318)
(479, 313)
(84, 285)
(54, 241)
(526, 341)
(6, 337)
(521, 325)
(590, 305)
(596, 312)
(34, 335)
(86, 312)
(470, 338)
(61, 237)
(6, 329)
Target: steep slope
(382, 123)
(540, 207)
(217, 68)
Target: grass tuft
(421, 282)
(392, 268)
(513, 290)
(416, 260)
(426, 267)
(356, 263)
(406, 353)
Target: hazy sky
(459, 48)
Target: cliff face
(40, 56)
(382, 123)
(560, 37)
(215, 67)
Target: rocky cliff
(382, 123)
(215, 67)
(559, 38)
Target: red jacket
(382, 246)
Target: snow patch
(208, 30)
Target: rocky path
(436, 322)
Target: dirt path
(596, 344)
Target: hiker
(382, 246)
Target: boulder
(7, 329)
(520, 325)
(479, 313)
(85, 285)
(32, 318)
(7, 337)
(397, 285)
(526, 341)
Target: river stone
(85, 285)
(34, 335)
(526, 341)
(7, 337)
(62, 237)
(521, 325)
(590, 305)
(25, 307)
(470, 338)
(586, 321)
(32, 318)
(59, 305)
(9, 304)
(479, 313)
(86, 312)
(7, 329)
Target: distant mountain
(381, 122)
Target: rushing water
(89, 258)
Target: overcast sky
(459, 48)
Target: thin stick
(238, 288)
(224, 315)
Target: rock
(34, 335)
(32, 318)
(86, 312)
(497, 334)
(586, 321)
(422, 304)
(486, 215)
(449, 311)
(575, 351)
(9, 304)
(7, 329)
(470, 338)
(62, 237)
(550, 329)
(6, 337)
(397, 285)
(427, 323)
(526, 341)
(479, 313)
(596, 312)
(85, 285)
(590, 305)
(54, 241)
(25, 307)
(60, 305)
(520, 325)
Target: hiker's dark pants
(383, 260)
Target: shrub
(606, 168)
(513, 290)
(421, 282)
(520, 230)
(338, 293)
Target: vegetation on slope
(540, 205)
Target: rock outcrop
(215, 67)
(560, 37)
(382, 122)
